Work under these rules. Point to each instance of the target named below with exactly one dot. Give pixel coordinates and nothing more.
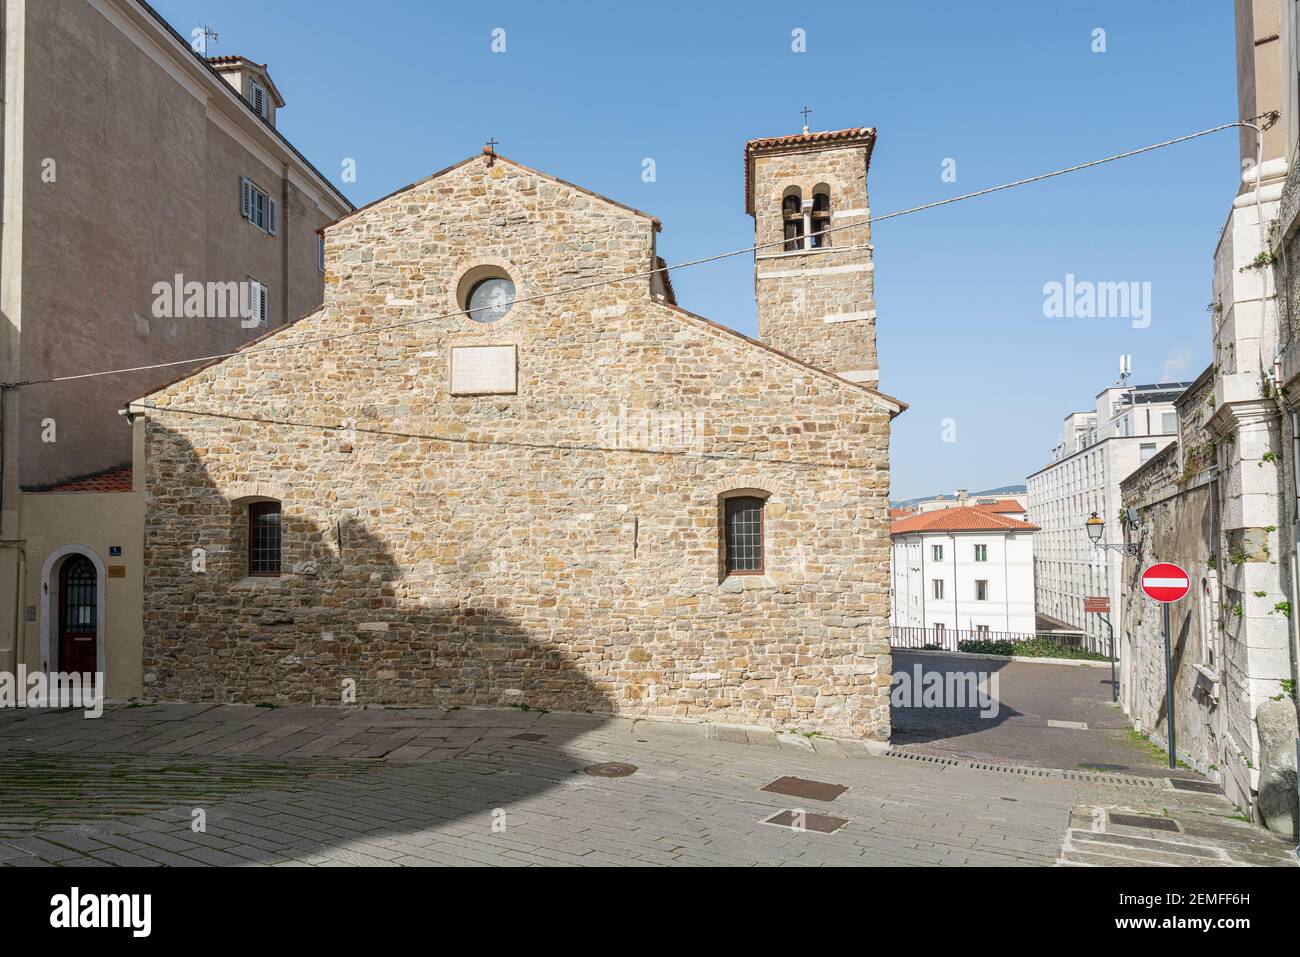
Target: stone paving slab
(458, 788)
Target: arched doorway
(78, 611)
(73, 614)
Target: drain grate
(528, 736)
(1202, 787)
(1024, 771)
(1143, 820)
(803, 788)
(799, 821)
(610, 769)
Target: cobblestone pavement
(1055, 716)
(324, 787)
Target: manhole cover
(528, 736)
(803, 788)
(1142, 820)
(611, 769)
(800, 821)
(1204, 787)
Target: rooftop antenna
(1125, 368)
(203, 35)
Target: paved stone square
(329, 787)
(1049, 715)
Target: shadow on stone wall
(345, 610)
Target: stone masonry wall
(558, 547)
(798, 291)
(1173, 494)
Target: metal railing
(953, 639)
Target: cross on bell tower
(805, 111)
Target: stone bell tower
(815, 292)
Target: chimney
(961, 497)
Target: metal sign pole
(1169, 693)
(1114, 682)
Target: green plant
(1237, 610)
(1267, 457)
(1260, 594)
(1144, 743)
(1284, 607)
(1265, 258)
(1213, 563)
(1237, 558)
(1288, 689)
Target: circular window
(490, 299)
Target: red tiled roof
(968, 518)
(1002, 505)
(857, 134)
(900, 512)
(112, 480)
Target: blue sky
(586, 91)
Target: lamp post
(1096, 526)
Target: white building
(968, 570)
(1098, 450)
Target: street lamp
(1096, 526)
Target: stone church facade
(475, 477)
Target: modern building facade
(1099, 448)
(962, 570)
(153, 214)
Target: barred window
(264, 538)
(744, 535)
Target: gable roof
(893, 405)
(797, 142)
(219, 63)
(496, 158)
(966, 518)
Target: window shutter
(245, 197)
(272, 216)
(264, 309)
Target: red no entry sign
(1165, 582)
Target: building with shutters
(961, 573)
(153, 213)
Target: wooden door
(78, 611)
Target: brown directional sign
(1098, 604)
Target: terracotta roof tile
(111, 480)
(968, 518)
(857, 134)
(1002, 505)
